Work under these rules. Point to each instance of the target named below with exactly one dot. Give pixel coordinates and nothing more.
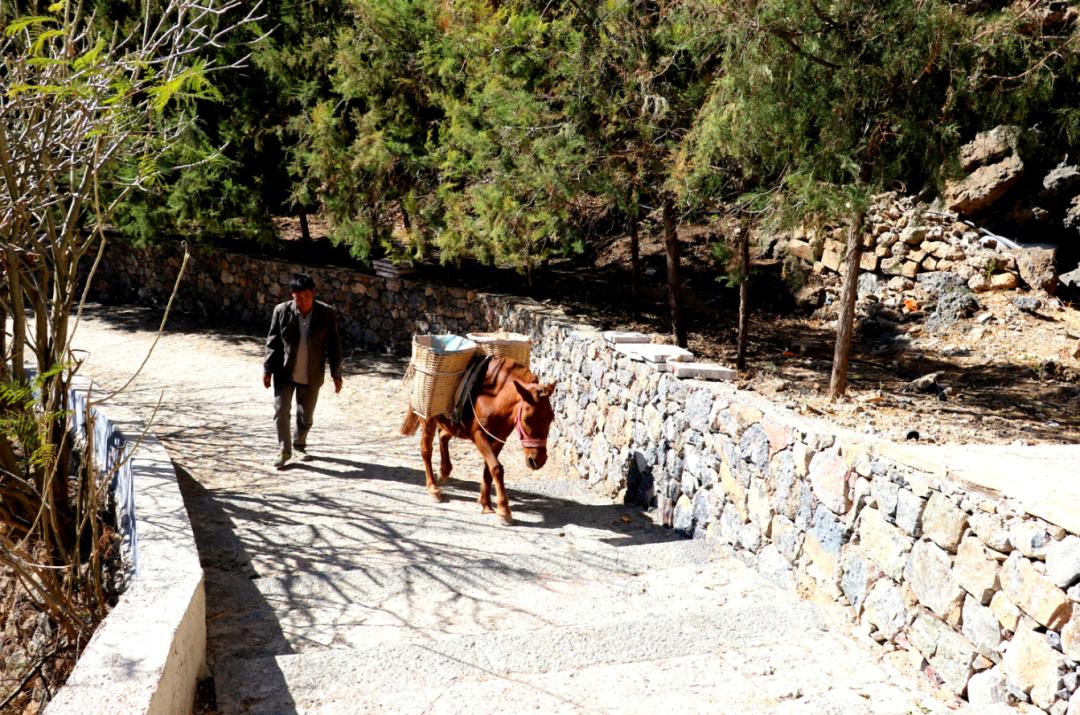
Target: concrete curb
(148, 652)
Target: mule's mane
(516, 370)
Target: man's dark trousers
(306, 397)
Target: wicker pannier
(437, 364)
(511, 345)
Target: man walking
(303, 340)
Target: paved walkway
(336, 586)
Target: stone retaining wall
(977, 583)
(978, 591)
(376, 313)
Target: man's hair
(301, 281)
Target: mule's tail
(411, 423)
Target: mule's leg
(485, 484)
(493, 472)
(502, 500)
(426, 437)
(445, 467)
(485, 492)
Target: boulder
(1004, 281)
(939, 282)
(1037, 268)
(954, 305)
(870, 284)
(1072, 214)
(984, 186)
(1062, 180)
(989, 147)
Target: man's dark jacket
(324, 343)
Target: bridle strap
(526, 441)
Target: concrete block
(702, 371)
(614, 337)
(654, 352)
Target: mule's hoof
(437, 496)
(506, 519)
(486, 510)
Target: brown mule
(506, 399)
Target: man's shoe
(302, 451)
(279, 463)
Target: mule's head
(533, 417)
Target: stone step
(450, 596)
(705, 684)
(264, 684)
(326, 531)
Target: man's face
(305, 299)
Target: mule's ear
(525, 392)
(547, 390)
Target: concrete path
(336, 586)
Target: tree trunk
(305, 232)
(846, 318)
(744, 298)
(675, 299)
(635, 257)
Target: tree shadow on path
(220, 555)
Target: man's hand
(266, 380)
(337, 385)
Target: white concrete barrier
(147, 654)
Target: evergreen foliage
(241, 161)
(510, 160)
(363, 150)
(821, 104)
(479, 129)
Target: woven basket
(511, 345)
(434, 371)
